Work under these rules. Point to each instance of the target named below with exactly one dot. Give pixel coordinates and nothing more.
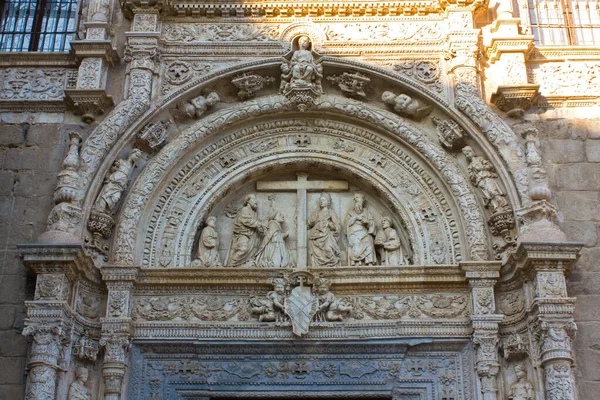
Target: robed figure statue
(246, 227)
(360, 230)
(323, 234)
(273, 252)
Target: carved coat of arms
(301, 306)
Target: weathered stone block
(12, 135)
(12, 344)
(580, 231)
(38, 209)
(46, 135)
(7, 179)
(579, 205)
(17, 212)
(589, 260)
(581, 176)
(12, 289)
(564, 151)
(6, 203)
(13, 157)
(587, 349)
(10, 392)
(592, 150)
(30, 183)
(582, 283)
(8, 316)
(12, 371)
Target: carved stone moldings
(352, 84)
(568, 78)
(426, 72)
(250, 83)
(454, 177)
(189, 33)
(409, 306)
(32, 83)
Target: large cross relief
(302, 186)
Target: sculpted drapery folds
(78, 390)
(273, 251)
(301, 71)
(483, 175)
(388, 241)
(116, 183)
(245, 234)
(272, 308)
(330, 307)
(323, 234)
(360, 230)
(208, 246)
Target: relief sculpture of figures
(360, 230)
(273, 252)
(406, 105)
(208, 246)
(522, 389)
(323, 234)
(116, 183)
(197, 106)
(483, 175)
(330, 307)
(78, 390)
(246, 228)
(301, 71)
(271, 309)
(389, 242)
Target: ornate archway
(347, 228)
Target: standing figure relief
(360, 231)
(323, 235)
(116, 183)
(263, 243)
(208, 246)
(389, 243)
(273, 252)
(483, 175)
(246, 228)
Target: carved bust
(78, 390)
(522, 389)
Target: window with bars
(565, 22)
(37, 25)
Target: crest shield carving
(301, 306)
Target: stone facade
(300, 201)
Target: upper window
(37, 25)
(565, 22)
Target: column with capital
(116, 328)
(550, 319)
(482, 277)
(301, 186)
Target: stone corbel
(515, 99)
(116, 327)
(482, 277)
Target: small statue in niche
(246, 228)
(406, 105)
(522, 389)
(323, 233)
(301, 71)
(483, 175)
(360, 230)
(271, 309)
(330, 307)
(78, 390)
(389, 242)
(197, 106)
(116, 183)
(208, 246)
(273, 252)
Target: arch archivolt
(218, 149)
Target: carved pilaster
(482, 278)
(116, 328)
(551, 318)
(48, 338)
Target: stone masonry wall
(571, 151)
(31, 153)
(30, 157)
